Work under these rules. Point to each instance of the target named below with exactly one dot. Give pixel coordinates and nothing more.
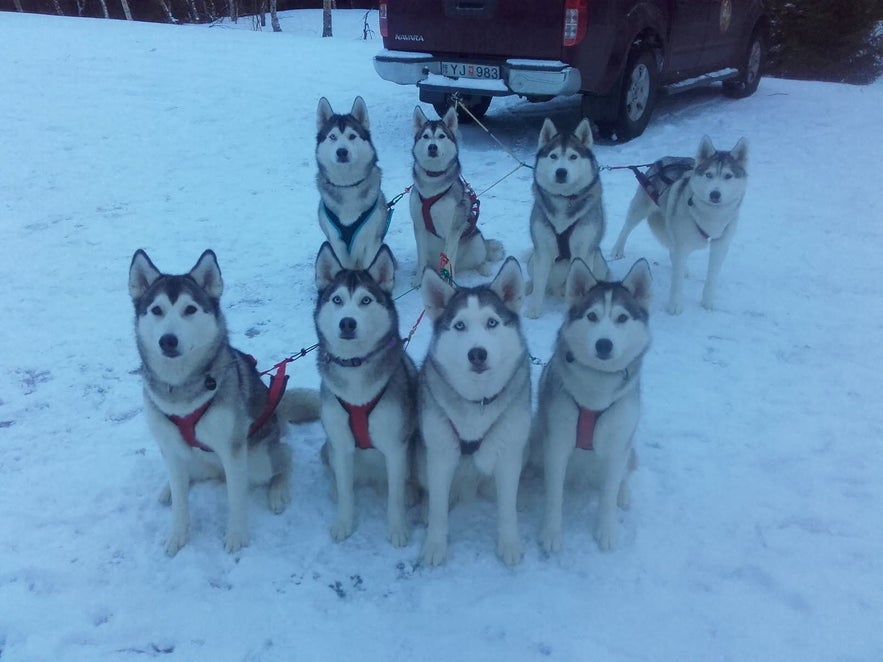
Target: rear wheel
(476, 103)
(750, 69)
(637, 96)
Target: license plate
(466, 70)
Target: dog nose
(348, 325)
(603, 348)
(477, 356)
(342, 154)
(432, 149)
(561, 175)
(168, 342)
(715, 196)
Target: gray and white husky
(352, 212)
(567, 219)
(368, 393)
(444, 214)
(700, 209)
(206, 405)
(474, 403)
(589, 395)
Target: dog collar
(361, 181)
(328, 357)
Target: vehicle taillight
(576, 17)
(384, 24)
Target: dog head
(178, 322)
(354, 310)
(606, 325)
(477, 339)
(719, 178)
(565, 164)
(435, 141)
(344, 150)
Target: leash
(448, 277)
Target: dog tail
(299, 405)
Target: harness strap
(585, 428)
(347, 233)
(187, 426)
(564, 243)
(358, 419)
(426, 206)
(466, 447)
(278, 382)
(474, 206)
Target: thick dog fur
(352, 212)
(567, 219)
(361, 361)
(474, 402)
(187, 361)
(700, 209)
(439, 201)
(589, 395)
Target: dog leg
(420, 239)
(614, 479)
(342, 462)
(638, 209)
(542, 265)
(440, 473)
(507, 471)
(717, 251)
(555, 464)
(678, 274)
(396, 475)
(179, 486)
(236, 474)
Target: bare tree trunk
(103, 7)
(233, 6)
(210, 10)
(18, 6)
(263, 12)
(168, 12)
(81, 6)
(326, 17)
(126, 10)
(194, 13)
(58, 9)
(274, 18)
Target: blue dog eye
(336, 299)
(460, 326)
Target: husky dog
(211, 414)
(474, 402)
(369, 393)
(567, 219)
(589, 394)
(352, 212)
(700, 209)
(445, 215)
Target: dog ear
(583, 133)
(419, 119)
(323, 113)
(547, 133)
(509, 285)
(383, 269)
(740, 153)
(327, 266)
(638, 281)
(207, 274)
(579, 281)
(706, 149)
(436, 293)
(360, 112)
(142, 273)
(450, 119)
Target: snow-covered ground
(757, 526)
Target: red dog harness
(358, 420)
(427, 203)
(585, 428)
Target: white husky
(700, 209)
(474, 402)
(590, 396)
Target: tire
(477, 105)
(637, 96)
(750, 69)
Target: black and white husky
(699, 209)
(368, 386)
(211, 414)
(444, 213)
(352, 212)
(567, 219)
(589, 395)
(474, 403)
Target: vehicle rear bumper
(524, 77)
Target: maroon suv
(617, 53)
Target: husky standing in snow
(445, 218)
(474, 403)
(211, 414)
(368, 386)
(589, 395)
(699, 209)
(567, 220)
(352, 212)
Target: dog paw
(605, 536)
(278, 494)
(708, 302)
(434, 552)
(533, 311)
(235, 540)
(341, 530)
(165, 495)
(485, 269)
(510, 552)
(495, 250)
(417, 279)
(399, 534)
(624, 498)
(618, 253)
(674, 308)
(551, 540)
(175, 541)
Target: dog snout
(343, 154)
(561, 175)
(168, 343)
(604, 348)
(432, 149)
(715, 196)
(347, 327)
(477, 357)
